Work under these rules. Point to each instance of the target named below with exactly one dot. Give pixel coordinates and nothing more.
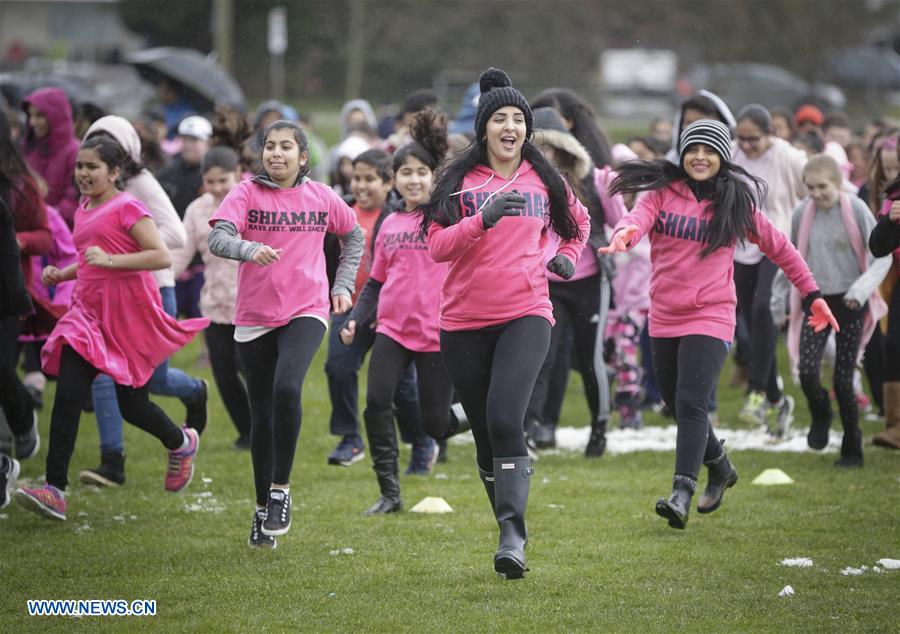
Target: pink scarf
(877, 308)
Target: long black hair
(733, 195)
(444, 209)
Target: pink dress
(116, 321)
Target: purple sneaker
(46, 500)
(181, 463)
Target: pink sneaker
(46, 500)
(181, 463)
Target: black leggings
(687, 369)
(575, 306)
(388, 361)
(14, 398)
(73, 387)
(493, 370)
(275, 365)
(753, 284)
(226, 369)
(812, 345)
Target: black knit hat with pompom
(497, 92)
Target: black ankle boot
(111, 471)
(817, 438)
(512, 477)
(677, 507)
(596, 446)
(383, 447)
(722, 475)
(851, 449)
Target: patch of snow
(4, 516)
(341, 551)
(798, 562)
(441, 476)
(555, 506)
(619, 441)
(849, 571)
(119, 518)
(80, 529)
(206, 480)
(889, 564)
(787, 591)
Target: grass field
(600, 558)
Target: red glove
(820, 317)
(621, 241)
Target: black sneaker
(197, 409)
(348, 451)
(28, 443)
(111, 471)
(278, 513)
(257, 538)
(9, 471)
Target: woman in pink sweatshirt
(491, 216)
(696, 211)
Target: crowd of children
(476, 261)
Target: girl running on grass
(115, 325)
(404, 288)
(282, 302)
(221, 173)
(491, 217)
(696, 211)
(831, 231)
(372, 183)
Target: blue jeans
(165, 381)
(342, 369)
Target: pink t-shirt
(499, 274)
(107, 226)
(295, 220)
(410, 300)
(690, 295)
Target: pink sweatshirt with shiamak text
(690, 295)
(499, 274)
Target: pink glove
(621, 241)
(820, 317)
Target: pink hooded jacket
(499, 274)
(53, 157)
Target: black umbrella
(197, 73)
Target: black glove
(562, 266)
(509, 204)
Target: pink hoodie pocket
(496, 292)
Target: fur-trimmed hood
(565, 142)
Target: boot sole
(509, 567)
(664, 510)
(11, 483)
(95, 479)
(710, 509)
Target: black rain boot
(677, 507)
(487, 479)
(851, 449)
(383, 448)
(596, 446)
(111, 471)
(722, 475)
(512, 477)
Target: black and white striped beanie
(710, 132)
